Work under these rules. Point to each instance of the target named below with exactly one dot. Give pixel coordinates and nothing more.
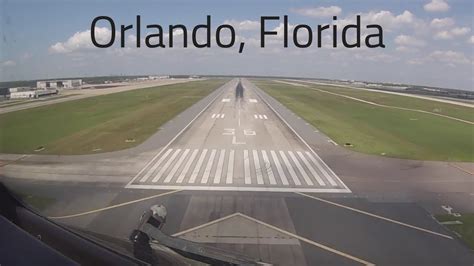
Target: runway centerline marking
(113, 206)
(375, 215)
(301, 238)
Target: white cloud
(449, 57)
(318, 12)
(80, 41)
(8, 63)
(471, 40)
(442, 23)
(436, 6)
(386, 19)
(452, 33)
(405, 40)
(244, 25)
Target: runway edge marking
(177, 135)
(298, 135)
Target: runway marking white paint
(217, 116)
(258, 168)
(311, 169)
(255, 116)
(247, 167)
(153, 168)
(280, 171)
(176, 166)
(260, 116)
(268, 167)
(177, 135)
(187, 166)
(328, 177)
(241, 188)
(235, 142)
(375, 216)
(225, 100)
(198, 166)
(290, 169)
(300, 168)
(253, 101)
(207, 170)
(220, 166)
(230, 168)
(293, 235)
(113, 206)
(265, 117)
(305, 143)
(165, 167)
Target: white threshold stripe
(247, 168)
(311, 169)
(328, 177)
(242, 188)
(179, 133)
(260, 116)
(220, 165)
(207, 170)
(375, 215)
(258, 168)
(213, 116)
(153, 168)
(230, 168)
(255, 116)
(298, 135)
(290, 169)
(222, 115)
(268, 167)
(300, 168)
(264, 116)
(198, 166)
(187, 166)
(165, 167)
(280, 171)
(176, 166)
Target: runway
(238, 143)
(239, 171)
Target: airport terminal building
(60, 84)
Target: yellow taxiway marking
(375, 216)
(113, 206)
(303, 239)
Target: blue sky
(428, 42)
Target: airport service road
(238, 143)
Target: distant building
(31, 94)
(22, 94)
(59, 84)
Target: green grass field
(99, 124)
(465, 230)
(378, 130)
(457, 111)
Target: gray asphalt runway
(222, 165)
(238, 144)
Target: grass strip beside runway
(99, 124)
(379, 130)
